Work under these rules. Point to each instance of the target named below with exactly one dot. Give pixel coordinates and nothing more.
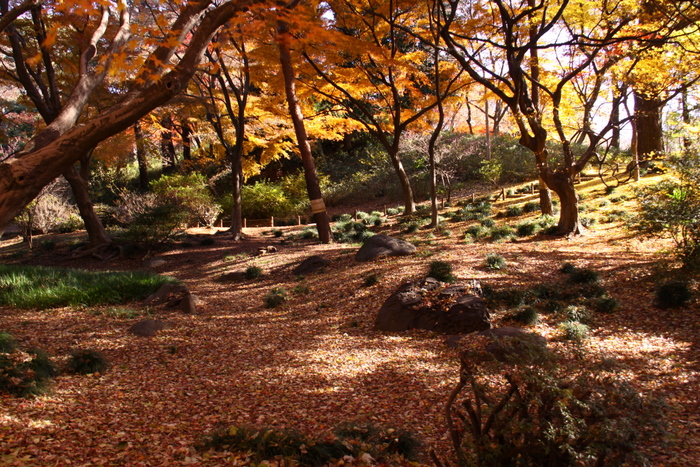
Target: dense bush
(531, 410)
(88, 361)
(673, 294)
(265, 199)
(189, 193)
(50, 211)
(156, 226)
(672, 209)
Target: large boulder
(430, 304)
(383, 245)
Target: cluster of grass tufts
(351, 232)
(570, 300)
(23, 373)
(293, 448)
(441, 271)
(275, 297)
(476, 211)
(41, 287)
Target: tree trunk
(563, 186)
(406, 190)
(186, 140)
(141, 156)
(318, 207)
(97, 235)
(167, 147)
(649, 130)
(236, 229)
(546, 206)
(615, 118)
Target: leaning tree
(165, 72)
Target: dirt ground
(316, 361)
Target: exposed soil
(316, 361)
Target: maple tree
(166, 70)
(377, 72)
(515, 33)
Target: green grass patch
(41, 287)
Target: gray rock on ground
(153, 262)
(383, 245)
(430, 304)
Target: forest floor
(316, 362)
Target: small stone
(153, 262)
(148, 327)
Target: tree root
(103, 252)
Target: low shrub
(526, 315)
(25, 373)
(488, 222)
(584, 276)
(476, 231)
(673, 294)
(441, 271)
(514, 211)
(527, 229)
(253, 272)
(606, 305)
(567, 268)
(531, 206)
(275, 297)
(86, 362)
(576, 313)
(502, 233)
(495, 261)
(370, 280)
(574, 331)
